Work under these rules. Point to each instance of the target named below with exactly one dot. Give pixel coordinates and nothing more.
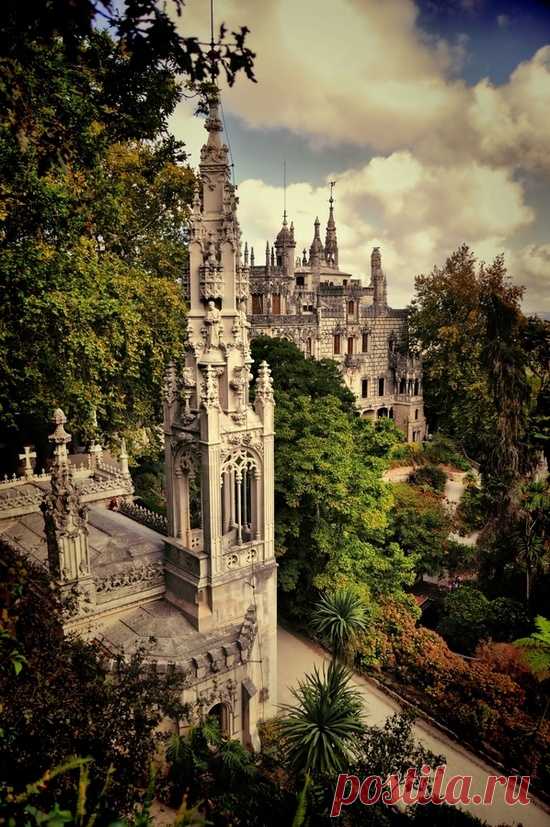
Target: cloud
(448, 158)
(512, 120)
(530, 266)
(417, 212)
(365, 73)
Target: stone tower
(219, 448)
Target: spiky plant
(339, 617)
(320, 729)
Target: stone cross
(28, 456)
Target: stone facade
(329, 314)
(197, 591)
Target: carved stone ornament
(210, 393)
(264, 383)
(170, 385)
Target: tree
(298, 376)
(63, 700)
(478, 358)
(93, 206)
(465, 619)
(319, 729)
(531, 532)
(420, 524)
(339, 617)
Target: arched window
(220, 712)
(403, 386)
(365, 342)
(337, 343)
(351, 308)
(364, 388)
(276, 304)
(308, 346)
(416, 387)
(381, 384)
(416, 414)
(240, 498)
(350, 345)
(257, 303)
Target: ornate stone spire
(331, 241)
(66, 524)
(316, 248)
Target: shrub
(443, 450)
(465, 619)
(429, 476)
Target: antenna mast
(284, 189)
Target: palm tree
(536, 652)
(339, 617)
(319, 730)
(533, 551)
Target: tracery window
(240, 497)
(337, 343)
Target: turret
(284, 247)
(316, 251)
(378, 279)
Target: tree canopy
(93, 206)
(486, 366)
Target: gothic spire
(331, 241)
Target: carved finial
(60, 437)
(272, 257)
(252, 256)
(246, 254)
(264, 383)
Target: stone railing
(146, 575)
(144, 516)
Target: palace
(197, 590)
(329, 313)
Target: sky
(432, 116)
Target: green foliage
(442, 450)
(319, 729)
(430, 477)
(479, 352)
(93, 208)
(227, 782)
(473, 509)
(298, 376)
(536, 648)
(339, 617)
(330, 501)
(420, 524)
(468, 617)
(66, 702)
